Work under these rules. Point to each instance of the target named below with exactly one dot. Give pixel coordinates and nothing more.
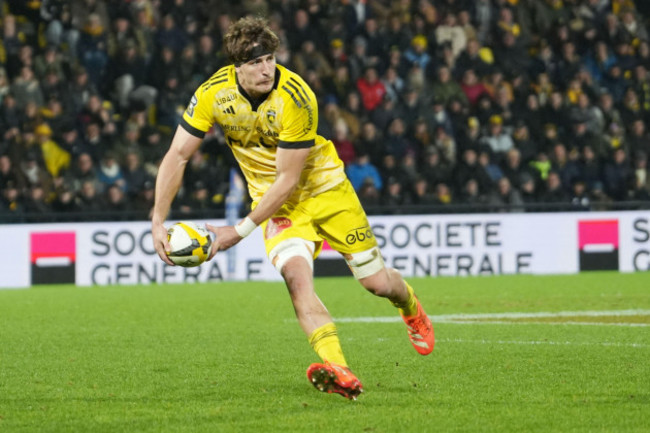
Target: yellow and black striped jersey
(287, 117)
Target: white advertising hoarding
(424, 245)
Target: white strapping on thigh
(365, 263)
(292, 247)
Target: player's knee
(382, 283)
(286, 250)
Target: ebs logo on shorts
(358, 235)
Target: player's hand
(160, 243)
(224, 238)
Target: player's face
(258, 75)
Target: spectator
(126, 71)
(65, 203)
(491, 168)
(143, 202)
(398, 143)
(303, 29)
(526, 146)
(342, 142)
(35, 203)
(589, 167)
(496, 138)
(579, 195)
(394, 195)
(505, 198)
(528, 189)
(438, 117)
(92, 47)
(11, 201)
(564, 165)
(83, 171)
(471, 86)
(88, 201)
(110, 173)
(26, 88)
(359, 60)
(56, 159)
(470, 168)
(371, 89)
(134, 174)
(512, 168)
(471, 58)
(422, 193)
(638, 139)
(554, 193)
(450, 31)
(417, 56)
(50, 61)
(371, 143)
(445, 144)
(618, 175)
(33, 172)
(369, 195)
(309, 59)
(607, 113)
(361, 171)
(446, 88)
(471, 195)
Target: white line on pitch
(568, 322)
(512, 315)
(537, 342)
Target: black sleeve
(192, 130)
(296, 144)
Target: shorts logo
(275, 226)
(53, 257)
(358, 235)
(598, 244)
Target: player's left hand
(224, 238)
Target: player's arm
(168, 181)
(289, 164)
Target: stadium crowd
(498, 103)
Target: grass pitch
(513, 354)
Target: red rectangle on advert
(598, 232)
(55, 244)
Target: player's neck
(256, 98)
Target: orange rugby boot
(420, 331)
(336, 378)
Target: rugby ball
(189, 242)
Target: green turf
(183, 359)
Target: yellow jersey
(287, 117)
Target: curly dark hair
(247, 38)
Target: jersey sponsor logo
(360, 234)
(235, 128)
(190, 108)
(276, 226)
(226, 99)
(266, 132)
(229, 110)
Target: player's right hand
(160, 243)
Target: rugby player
(301, 195)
